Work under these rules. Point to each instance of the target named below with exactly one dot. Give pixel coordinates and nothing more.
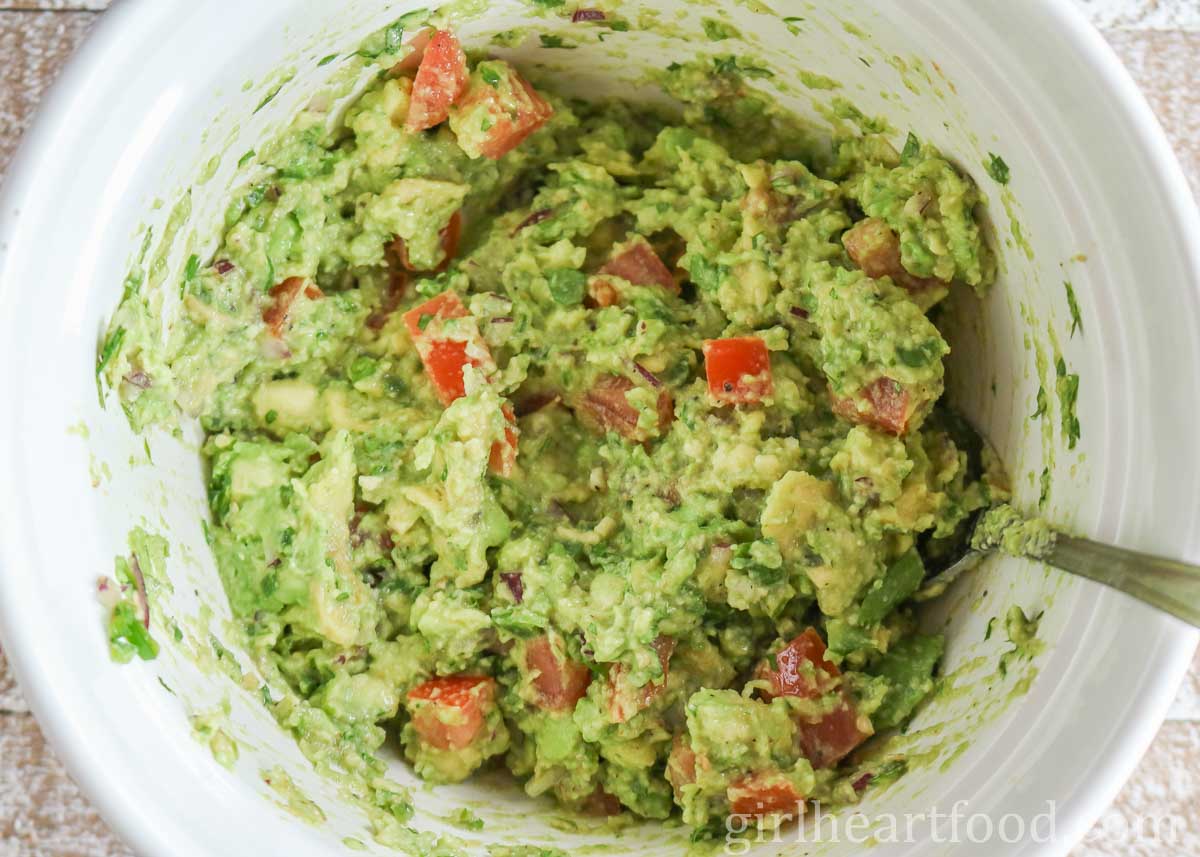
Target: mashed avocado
(600, 442)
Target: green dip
(624, 488)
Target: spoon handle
(1166, 584)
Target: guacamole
(596, 441)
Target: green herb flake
(912, 148)
(996, 168)
(792, 23)
(362, 367)
(192, 269)
(127, 636)
(110, 349)
(566, 286)
(707, 275)
(324, 61)
(718, 31)
(424, 320)
(490, 76)
(548, 4)
(1044, 485)
(269, 97)
(1073, 306)
(549, 41)
(270, 416)
(246, 158)
(1067, 386)
(1042, 404)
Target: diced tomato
(830, 738)
(440, 82)
(738, 369)
(601, 804)
(681, 765)
(602, 293)
(445, 359)
(605, 405)
(499, 110)
(450, 236)
(637, 263)
(559, 681)
(416, 52)
(283, 296)
(884, 404)
(625, 700)
(503, 457)
(763, 793)
(800, 668)
(875, 248)
(448, 712)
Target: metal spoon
(1163, 583)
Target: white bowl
(157, 93)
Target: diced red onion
(504, 319)
(863, 781)
(650, 377)
(140, 581)
(799, 312)
(512, 579)
(275, 348)
(587, 15)
(536, 217)
(223, 266)
(140, 380)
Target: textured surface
(42, 814)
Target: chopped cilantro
(1073, 306)
(246, 158)
(717, 31)
(549, 41)
(996, 168)
(489, 75)
(127, 636)
(362, 367)
(109, 350)
(326, 60)
(912, 148)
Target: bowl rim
(18, 632)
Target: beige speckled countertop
(42, 813)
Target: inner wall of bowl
(913, 66)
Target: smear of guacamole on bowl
(600, 442)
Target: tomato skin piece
(607, 408)
(448, 712)
(790, 676)
(638, 264)
(883, 404)
(738, 370)
(492, 119)
(440, 82)
(624, 701)
(558, 681)
(762, 794)
(283, 295)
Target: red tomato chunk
(738, 370)
(448, 712)
(440, 82)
